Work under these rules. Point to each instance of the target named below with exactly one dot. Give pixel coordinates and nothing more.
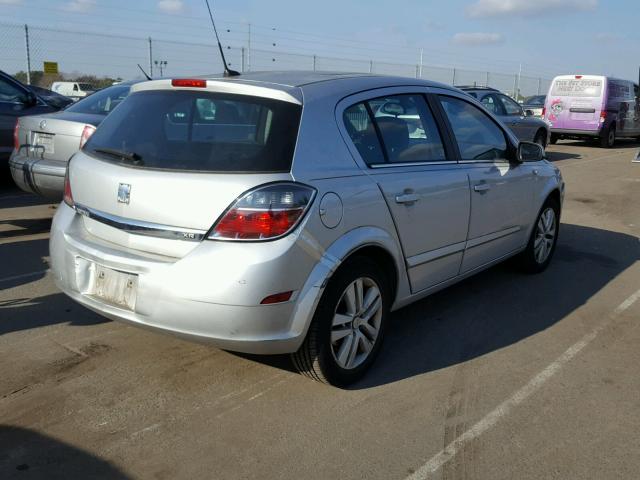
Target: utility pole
(150, 59)
(26, 39)
(517, 92)
(160, 64)
(421, 60)
(248, 47)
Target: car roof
(468, 88)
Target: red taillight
(603, 116)
(16, 133)
(277, 298)
(87, 131)
(264, 213)
(189, 82)
(578, 77)
(544, 111)
(68, 196)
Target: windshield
(536, 100)
(86, 86)
(199, 131)
(577, 87)
(102, 102)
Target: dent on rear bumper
(191, 298)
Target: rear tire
(608, 140)
(544, 236)
(347, 329)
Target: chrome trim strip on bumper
(138, 227)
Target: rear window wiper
(132, 157)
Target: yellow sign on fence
(50, 67)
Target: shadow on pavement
(28, 454)
(23, 262)
(25, 227)
(559, 156)
(501, 306)
(494, 309)
(26, 313)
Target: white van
(73, 89)
(593, 106)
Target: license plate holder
(43, 140)
(114, 287)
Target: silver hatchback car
(292, 212)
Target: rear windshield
(199, 131)
(102, 102)
(582, 87)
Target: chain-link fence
(24, 49)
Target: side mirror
(529, 113)
(530, 152)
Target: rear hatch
(55, 136)
(576, 102)
(168, 162)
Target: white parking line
(24, 275)
(493, 417)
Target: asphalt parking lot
(502, 376)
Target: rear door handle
(482, 187)
(407, 198)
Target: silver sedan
(523, 122)
(46, 142)
(292, 212)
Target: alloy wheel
(545, 235)
(356, 323)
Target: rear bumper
(576, 133)
(39, 176)
(211, 295)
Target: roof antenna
(227, 71)
(143, 72)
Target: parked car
(214, 209)
(522, 123)
(535, 104)
(593, 107)
(17, 100)
(75, 90)
(46, 142)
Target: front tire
(347, 329)
(541, 138)
(542, 243)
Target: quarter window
(478, 137)
(490, 104)
(363, 133)
(10, 93)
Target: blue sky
(547, 37)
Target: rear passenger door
(405, 152)
(501, 191)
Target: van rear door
(576, 102)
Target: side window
(10, 93)
(75, 87)
(478, 137)
(511, 107)
(408, 130)
(363, 133)
(489, 102)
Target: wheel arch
(371, 242)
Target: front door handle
(482, 187)
(407, 198)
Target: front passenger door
(501, 191)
